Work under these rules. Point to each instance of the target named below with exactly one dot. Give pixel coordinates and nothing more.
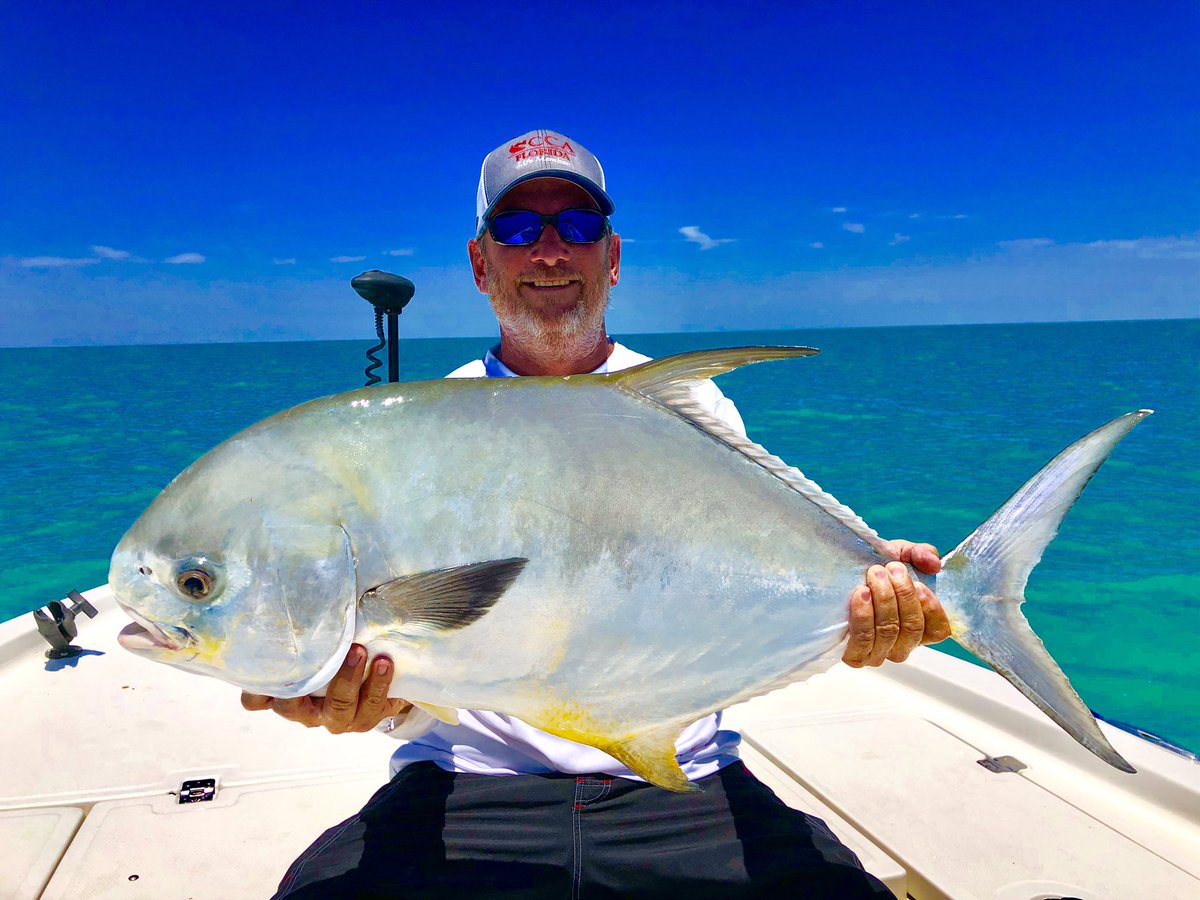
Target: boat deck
(96, 750)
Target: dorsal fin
(670, 381)
(659, 374)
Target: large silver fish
(595, 555)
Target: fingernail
(896, 569)
(879, 572)
(356, 655)
(382, 666)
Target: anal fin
(652, 756)
(649, 754)
(441, 713)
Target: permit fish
(596, 555)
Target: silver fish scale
(657, 554)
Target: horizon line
(688, 331)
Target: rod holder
(58, 625)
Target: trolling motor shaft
(389, 294)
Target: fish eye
(194, 583)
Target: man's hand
(891, 615)
(351, 703)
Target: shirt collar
(494, 368)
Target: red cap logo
(542, 145)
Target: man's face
(550, 290)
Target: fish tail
(982, 584)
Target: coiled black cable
(376, 362)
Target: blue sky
(221, 173)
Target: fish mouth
(143, 636)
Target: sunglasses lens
(516, 227)
(520, 227)
(580, 226)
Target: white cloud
(1153, 248)
(855, 227)
(1025, 243)
(343, 259)
(185, 259)
(1141, 278)
(1175, 247)
(959, 216)
(696, 236)
(289, 261)
(817, 245)
(914, 215)
(1144, 278)
(55, 262)
(109, 253)
(123, 305)
(403, 251)
(838, 209)
(899, 239)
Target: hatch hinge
(1002, 764)
(198, 790)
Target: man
(492, 806)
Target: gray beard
(564, 334)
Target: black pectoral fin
(445, 599)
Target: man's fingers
(341, 695)
(289, 708)
(894, 613)
(862, 628)
(887, 614)
(922, 557)
(299, 709)
(910, 612)
(349, 704)
(925, 558)
(256, 702)
(937, 623)
(373, 702)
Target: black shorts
(431, 834)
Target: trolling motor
(389, 294)
(59, 627)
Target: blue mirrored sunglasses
(519, 227)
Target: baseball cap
(538, 154)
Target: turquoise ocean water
(923, 431)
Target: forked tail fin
(982, 584)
